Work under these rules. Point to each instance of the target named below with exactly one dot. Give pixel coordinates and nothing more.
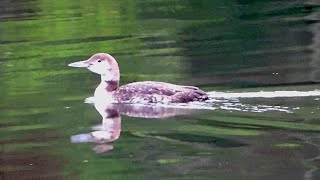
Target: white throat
(107, 77)
(101, 95)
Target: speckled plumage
(152, 92)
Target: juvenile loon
(145, 91)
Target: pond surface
(224, 46)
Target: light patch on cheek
(100, 68)
(107, 65)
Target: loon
(146, 91)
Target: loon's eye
(99, 60)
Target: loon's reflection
(110, 128)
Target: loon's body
(145, 91)
(152, 91)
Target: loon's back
(152, 91)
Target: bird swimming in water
(136, 92)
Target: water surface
(228, 46)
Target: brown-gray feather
(177, 94)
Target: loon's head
(100, 63)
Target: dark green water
(216, 45)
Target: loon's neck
(104, 92)
(110, 86)
(109, 82)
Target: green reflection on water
(287, 145)
(168, 161)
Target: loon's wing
(153, 91)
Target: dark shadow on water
(194, 138)
(229, 125)
(297, 11)
(84, 40)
